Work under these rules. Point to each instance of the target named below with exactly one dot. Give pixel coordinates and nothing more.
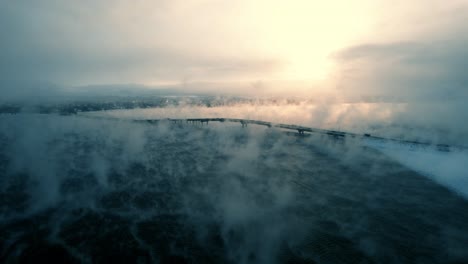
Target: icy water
(81, 190)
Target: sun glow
(305, 33)
(229, 41)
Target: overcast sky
(357, 47)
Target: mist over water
(405, 121)
(378, 175)
(82, 189)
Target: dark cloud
(431, 66)
(427, 73)
(428, 70)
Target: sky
(357, 48)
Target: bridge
(244, 122)
(301, 130)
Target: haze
(180, 42)
(233, 131)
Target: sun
(303, 33)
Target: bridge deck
(299, 129)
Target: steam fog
(87, 189)
(379, 176)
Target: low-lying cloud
(219, 193)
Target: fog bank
(92, 189)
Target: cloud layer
(106, 42)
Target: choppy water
(100, 191)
